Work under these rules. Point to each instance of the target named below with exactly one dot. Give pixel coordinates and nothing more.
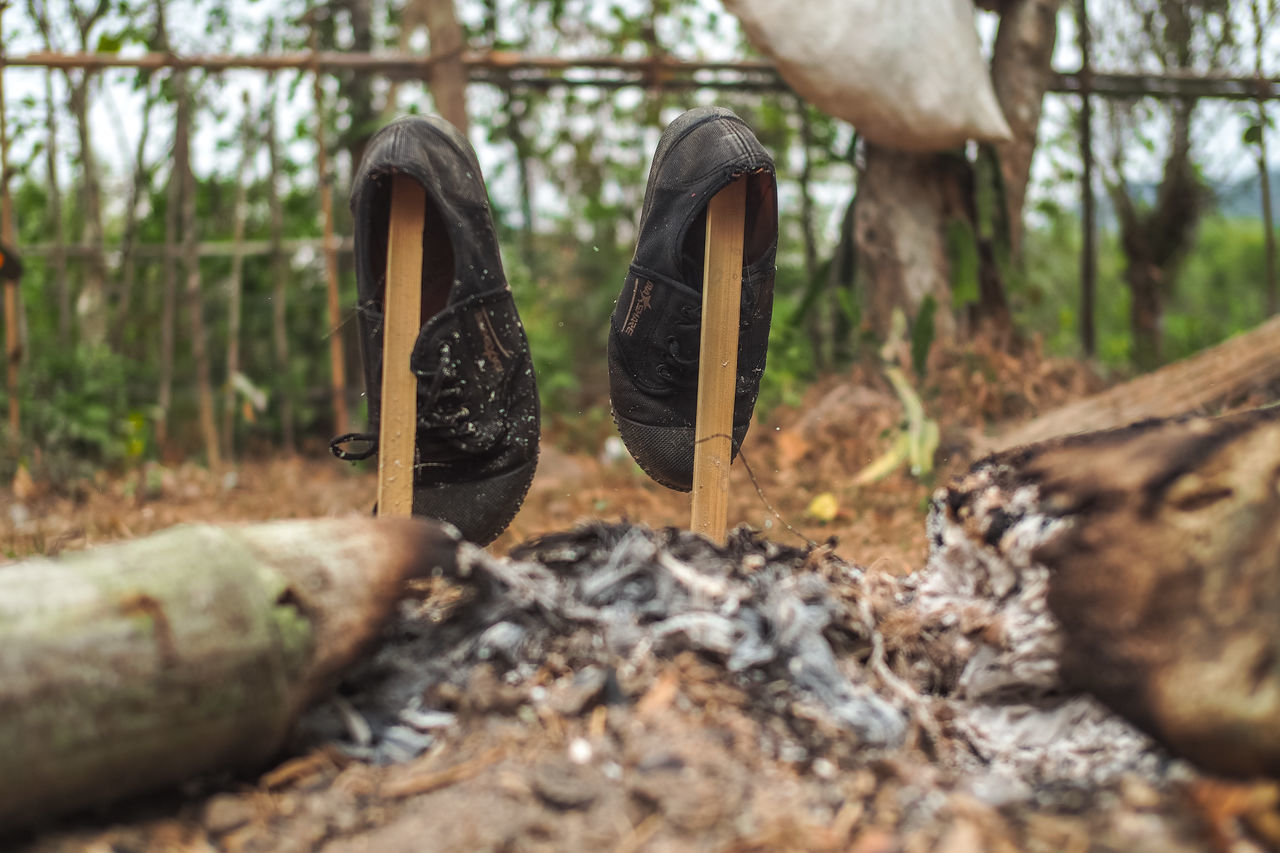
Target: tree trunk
(920, 229)
(1021, 64)
(279, 289)
(1146, 308)
(337, 361)
(813, 323)
(900, 227)
(517, 108)
(169, 297)
(91, 305)
(1156, 240)
(842, 278)
(449, 75)
(195, 307)
(12, 296)
(1264, 173)
(136, 666)
(235, 285)
(173, 202)
(1268, 219)
(356, 88)
(57, 228)
(128, 259)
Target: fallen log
(1161, 543)
(134, 666)
(1196, 385)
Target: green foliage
(75, 417)
(922, 331)
(567, 182)
(1218, 291)
(962, 257)
(790, 366)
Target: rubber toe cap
(480, 510)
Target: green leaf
(1253, 134)
(110, 43)
(962, 252)
(922, 334)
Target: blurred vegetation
(1217, 292)
(567, 170)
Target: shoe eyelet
(664, 372)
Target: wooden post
(337, 363)
(718, 361)
(402, 315)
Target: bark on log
(135, 666)
(1162, 545)
(1210, 378)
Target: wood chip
(659, 697)
(296, 769)
(641, 835)
(412, 784)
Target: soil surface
(676, 753)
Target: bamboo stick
(402, 315)
(718, 360)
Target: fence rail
(204, 249)
(543, 72)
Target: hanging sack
(907, 74)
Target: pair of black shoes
(478, 414)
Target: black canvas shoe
(478, 419)
(654, 334)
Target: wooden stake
(718, 366)
(402, 315)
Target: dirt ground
(685, 759)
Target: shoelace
(441, 412)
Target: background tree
(867, 228)
(1180, 37)
(926, 230)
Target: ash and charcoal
(982, 599)
(607, 599)
(876, 660)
